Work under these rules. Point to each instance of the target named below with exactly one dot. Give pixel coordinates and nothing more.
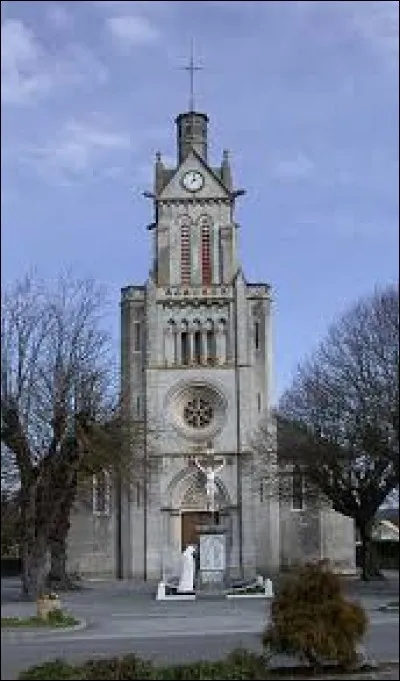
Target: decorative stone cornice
(192, 293)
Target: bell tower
(195, 360)
(192, 134)
(194, 229)
(192, 126)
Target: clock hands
(193, 180)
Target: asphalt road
(122, 619)
(382, 644)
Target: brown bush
(312, 619)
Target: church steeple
(192, 134)
(192, 125)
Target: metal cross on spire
(191, 68)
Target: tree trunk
(368, 559)
(58, 564)
(58, 576)
(33, 545)
(33, 576)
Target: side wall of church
(299, 534)
(338, 540)
(92, 542)
(316, 533)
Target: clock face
(193, 181)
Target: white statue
(210, 472)
(186, 580)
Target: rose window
(197, 409)
(198, 413)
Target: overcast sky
(303, 94)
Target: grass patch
(58, 618)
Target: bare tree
(339, 420)
(58, 393)
(112, 445)
(9, 524)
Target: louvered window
(205, 256)
(185, 255)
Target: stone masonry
(196, 362)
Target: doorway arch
(187, 501)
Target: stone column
(165, 543)
(215, 254)
(170, 345)
(178, 346)
(172, 543)
(204, 346)
(224, 344)
(226, 254)
(191, 346)
(175, 525)
(221, 343)
(158, 340)
(175, 254)
(234, 547)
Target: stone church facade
(196, 363)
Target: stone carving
(210, 473)
(186, 579)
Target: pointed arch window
(186, 265)
(101, 493)
(206, 269)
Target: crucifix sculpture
(209, 470)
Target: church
(196, 373)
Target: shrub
(55, 669)
(191, 672)
(238, 665)
(312, 619)
(247, 664)
(126, 667)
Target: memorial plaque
(212, 552)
